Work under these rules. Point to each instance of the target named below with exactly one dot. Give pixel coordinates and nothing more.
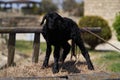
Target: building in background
(104, 8)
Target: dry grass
(35, 70)
(32, 70)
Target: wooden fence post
(36, 46)
(11, 49)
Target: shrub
(48, 6)
(116, 26)
(95, 21)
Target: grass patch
(112, 56)
(111, 60)
(43, 46)
(115, 67)
(26, 47)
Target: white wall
(28, 37)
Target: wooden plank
(72, 76)
(37, 29)
(95, 76)
(20, 29)
(36, 46)
(11, 49)
(33, 78)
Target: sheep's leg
(66, 49)
(74, 47)
(56, 59)
(78, 40)
(47, 56)
(86, 56)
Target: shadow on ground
(70, 66)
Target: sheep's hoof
(90, 67)
(44, 66)
(55, 69)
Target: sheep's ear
(60, 18)
(43, 20)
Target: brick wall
(105, 8)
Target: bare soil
(27, 69)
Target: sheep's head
(51, 19)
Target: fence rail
(20, 29)
(12, 31)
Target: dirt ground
(25, 68)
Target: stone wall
(105, 8)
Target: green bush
(116, 26)
(48, 6)
(95, 21)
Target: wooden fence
(12, 31)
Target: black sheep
(57, 31)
